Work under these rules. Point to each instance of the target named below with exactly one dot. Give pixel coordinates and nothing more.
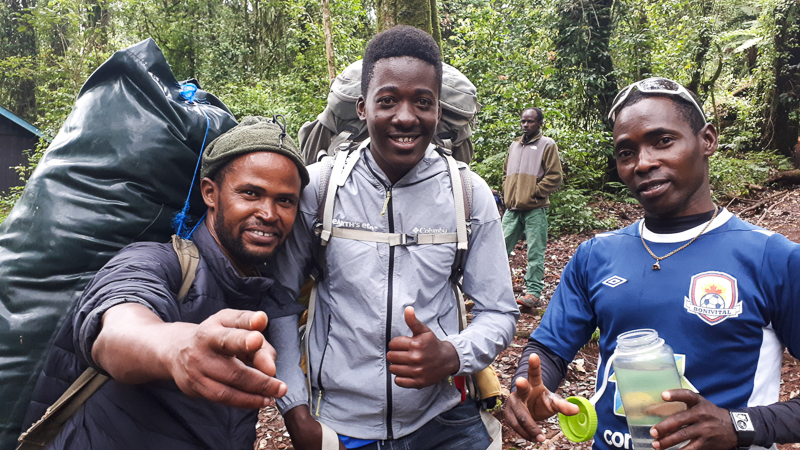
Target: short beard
(235, 247)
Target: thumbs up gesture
(421, 360)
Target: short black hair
(538, 111)
(219, 177)
(687, 111)
(402, 40)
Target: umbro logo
(614, 281)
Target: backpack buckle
(408, 239)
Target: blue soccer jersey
(726, 304)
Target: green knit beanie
(253, 134)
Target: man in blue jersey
(721, 292)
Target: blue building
(16, 136)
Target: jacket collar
(427, 167)
(535, 138)
(240, 292)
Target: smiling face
(660, 159)
(401, 110)
(252, 206)
(530, 123)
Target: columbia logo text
(439, 230)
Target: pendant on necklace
(657, 266)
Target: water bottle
(645, 367)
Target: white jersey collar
(669, 238)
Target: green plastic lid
(582, 426)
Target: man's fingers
(559, 404)
(226, 394)
(264, 360)
(409, 383)
(691, 398)
(523, 389)
(534, 371)
(413, 323)
(400, 358)
(241, 319)
(402, 371)
(519, 419)
(232, 341)
(400, 344)
(681, 435)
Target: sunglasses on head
(655, 85)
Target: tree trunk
(702, 48)
(422, 14)
(583, 31)
(19, 41)
(781, 127)
(326, 26)
(99, 21)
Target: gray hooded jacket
(367, 285)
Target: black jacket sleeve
(145, 273)
(778, 423)
(554, 367)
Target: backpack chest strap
(394, 239)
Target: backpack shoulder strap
(47, 428)
(333, 179)
(189, 258)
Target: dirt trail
(774, 210)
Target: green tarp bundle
(116, 173)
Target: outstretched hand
(421, 360)
(226, 359)
(703, 424)
(532, 402)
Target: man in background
(531, 173)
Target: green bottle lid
(582, 426)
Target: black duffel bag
(116, 173)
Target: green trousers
(534, 224)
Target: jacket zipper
(389, 318)
(319, 372)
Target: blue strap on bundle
(188, 91)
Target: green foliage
(267, 57)
(570, 213)
(491, 170)
(732, 175)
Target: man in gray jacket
(385, 343)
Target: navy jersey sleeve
(780, 422)
(781, 284)
(569, 321)
(145, 273)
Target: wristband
(743, 425)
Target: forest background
(568, 57)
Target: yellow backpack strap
(189, 258)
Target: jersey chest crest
(713, 297)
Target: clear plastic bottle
(645, 367)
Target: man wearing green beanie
(190, 371)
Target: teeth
(261, 233)
(405, 140)
(655, 186)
